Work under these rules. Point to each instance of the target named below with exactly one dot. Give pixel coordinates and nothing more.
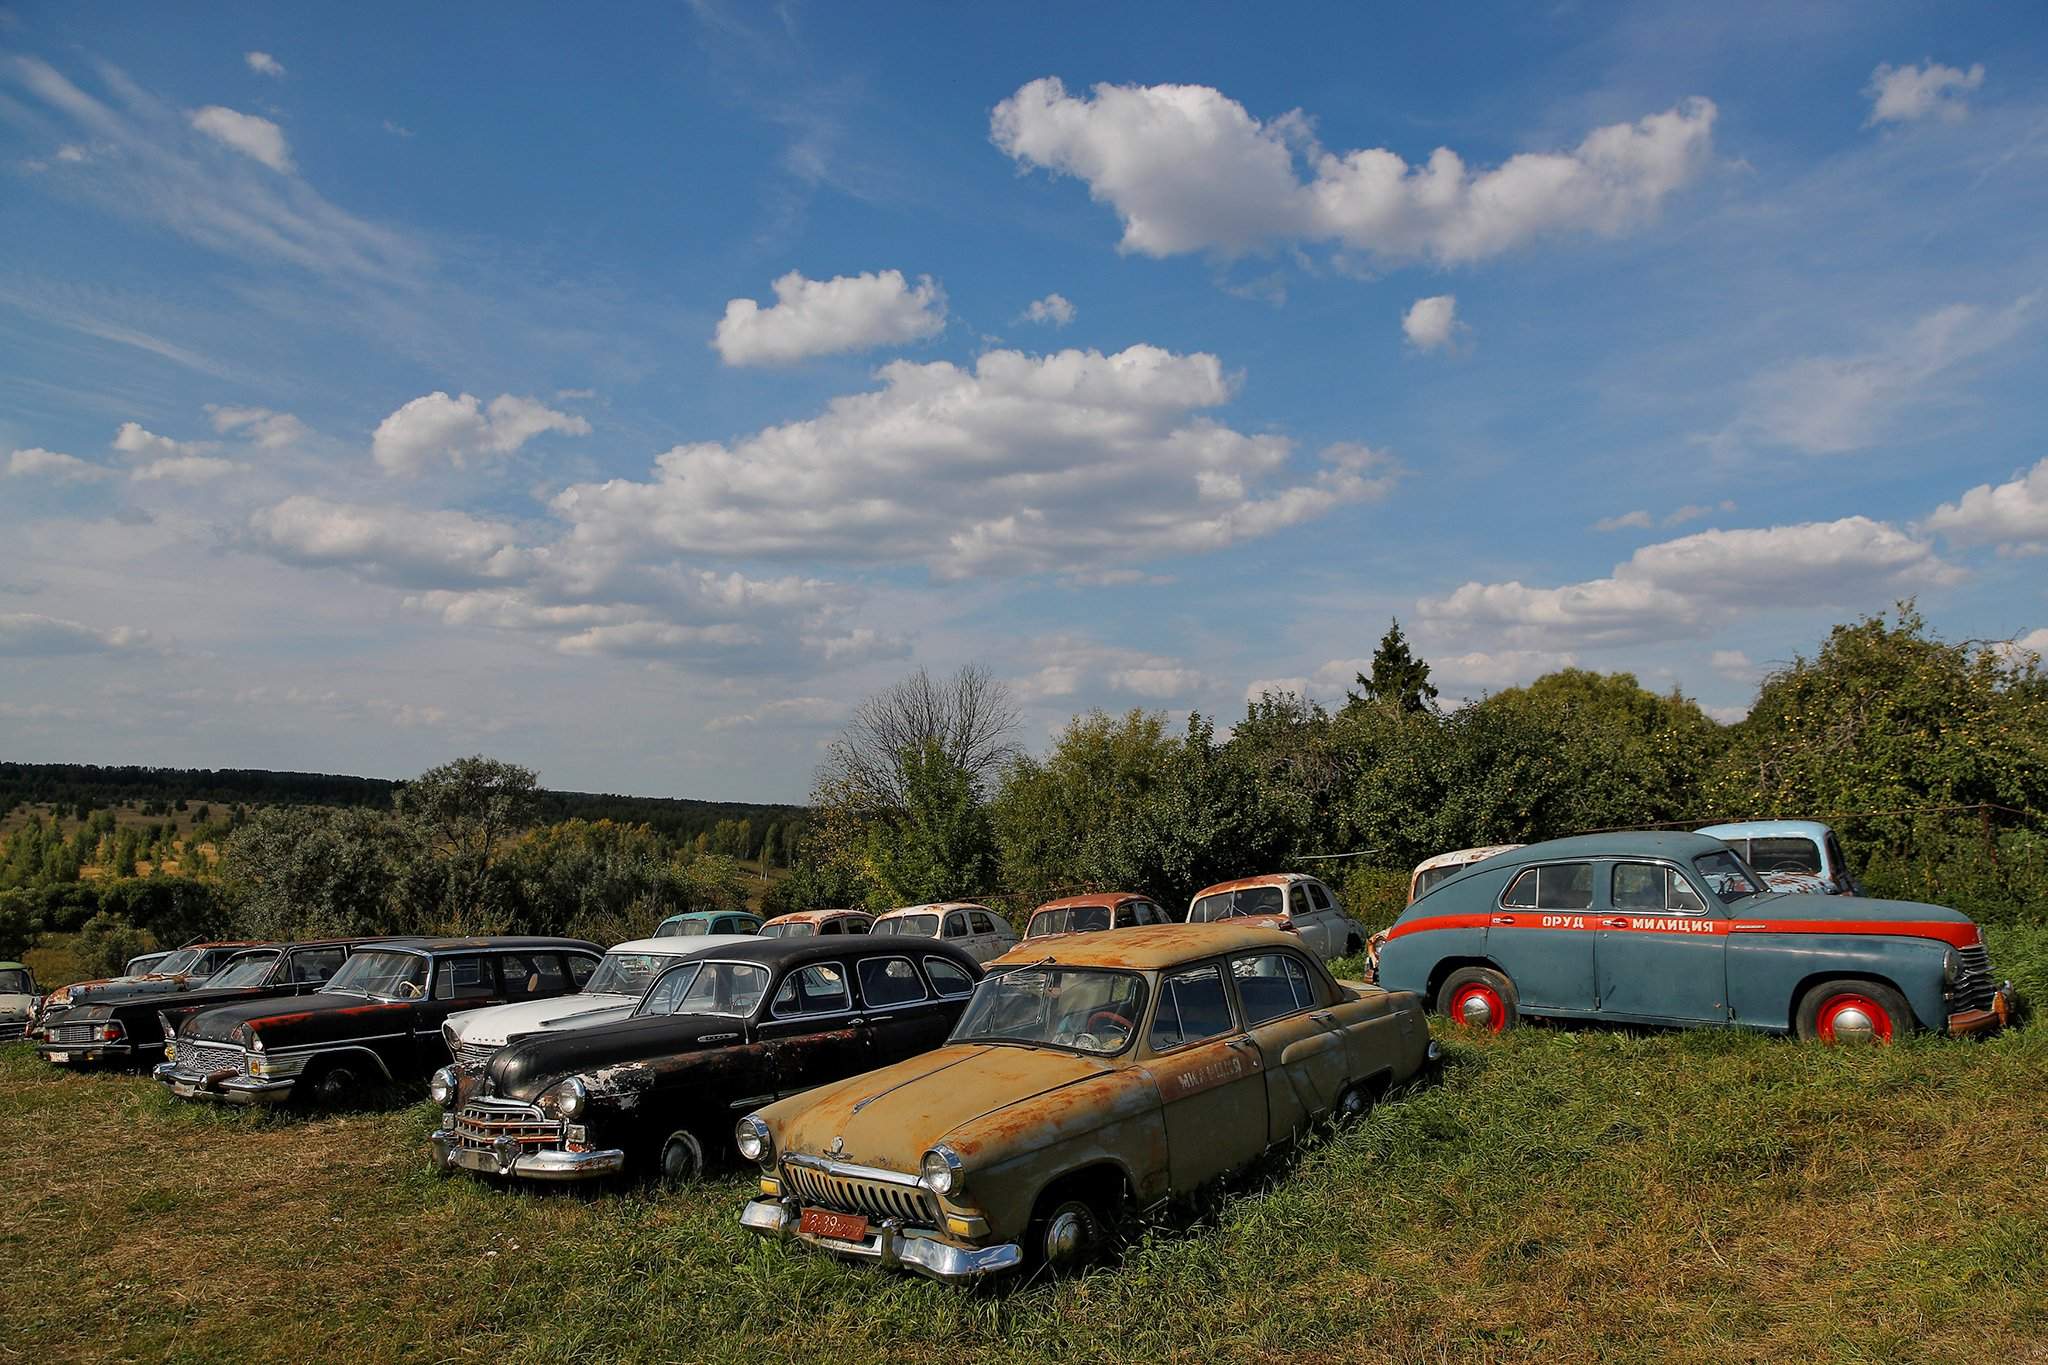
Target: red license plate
(840, 1227)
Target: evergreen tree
(1398, 678)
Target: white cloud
(1639, 519)
(1826, 405)
(1902, 94)
(1186, 168)
(1432, 324)
(436, 427)
(71, 152)
(1068, 461)
(1492, 669)
(254, 137)
(259, 426)
(263, 64)
(826, 317)
(37, 463)
(27, 635)
(789, 713)
(2012, 515)
(185, 469)
(408, 546)
(139, 443)
(1693, 511)
(1053, 308)
(1069, 664)
(1667, 590)
(1734, 664)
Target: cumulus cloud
(1667, 590)
(258, 426)
(1053, 309)
(1022, 463)
(1828, 405)
(263, 64)
(436, 427)
(1903, 94)
(186, 469)
(37, 463)
(1067, 665)
(139, 443)
(1432, 324)
(828, 317)
(254, 137)
(1187, 169)
(27, 635)
(2012, 515)
(407, 546)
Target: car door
(1302, 913)
(903, 1017)
(1660, 952)
(462, 981)
(995, 932)
(1541, 934)
(1301, 1047)
(811, 1031)
(1210, 1075)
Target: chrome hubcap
(1476, 1011)
(1852, 1024)
(1065, 1235)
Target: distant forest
(89, 786)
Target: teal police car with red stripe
(1676, 929)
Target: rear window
(1253, 900)
(1784, 854)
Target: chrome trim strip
(846, 1170)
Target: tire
(1069, 1234)
(1353, 1104)
(1852, 1012)
(331, 1087)
(681, 1160)
(1479, 998)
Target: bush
(106, 943)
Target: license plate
(60, 1056)
(840, 1227)
(185, 1088)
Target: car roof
(706, 914)
(685, 944)
(1461, 857)
(13, 966)
(935, 907)
(1247, 883)
(1111, 898)
(815, 916)
(776, 952)
(1663, 843)
(1148, 947)
(495, 942)
(1750, 829)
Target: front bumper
(2004, 1005)
(512, 1160)
(79, 1054)
(235, 1089)
(890, 1244)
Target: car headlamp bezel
(566, 1099)
(941, 1169)
(442, 1085)
(753, 1132)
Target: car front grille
(1974, 987)
(860, 1194)
(475, 1056)
(481, 1123)
(12, 1029)
(75, 1034)
(197, 1061)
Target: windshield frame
(184, 958)
(994, 979)
(328, 988)
(796, 928)
(698, 965)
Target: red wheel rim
(1852, 1017)
(1478, 1005)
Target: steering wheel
(409, 990)
(1788, 865)
(1109, 1017)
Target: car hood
(330, 1015)
(117, 989)
(890, 1118)
(528, 1064)
(494, 1025)
(1851, 909)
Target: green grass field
(1557, 1195)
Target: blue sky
(628, 394)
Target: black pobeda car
(377, 1020)
(130, 1028)
(714, 1037)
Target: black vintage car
(376, 1021)
(129, 1027)
(181, 970)
(713, 1038)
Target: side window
(669, 989)
(1561, 886)
(530, 976)
(830, 926)
(813, 990)
(1838, 866)
(463, 978)
(1679, 894)
(1522, 893)
(948, 979)
(1305, 987)
(1266, 988)
(1320, 894)
(1297, 900)
(580, 967)
(1192, 1007)
(316, 964)
(889, 981)
(1651, 886)
(982, 923)
(956, 925)
(1127, 915)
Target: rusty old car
(714, 1036)
(1292, 901)
(1096, 911)
(1676, 929)
(179, 970)
(977, 930)
(17, 1000)
(377, 1021)
(808, 923)
(1091, 1077)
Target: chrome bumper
(234, 1090)
(548, 1164)
(890, 1245)
(67, 1054)
(2000, 1013)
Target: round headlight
(753, 1139)
(565, 1099)
(942, 1170)
(442, 1086)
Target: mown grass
(1557, 1195)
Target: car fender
(1767, 973)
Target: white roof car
(611, 993)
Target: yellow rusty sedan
(1091, 1078)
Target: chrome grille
(852, 1194)
(1974, 986)
(482, 1122)
(475, 1056)
(12, 1029)
(197, 1061)
(75, 1033)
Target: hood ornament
(838, 1146)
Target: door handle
(1503, 919)
(1239, 1043)
(877, 1018)
(1615, 922)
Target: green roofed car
(17, 1000)
(692, 923)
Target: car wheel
(1479, 998)
(682, 1159)
(1069, 1234)
(1853, 1012)
(1352, 1104)
(334, 1086)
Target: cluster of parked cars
(924, 1089)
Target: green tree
(105, 944)
(1398, 678)
(939, 845)
(1062, 821)
(598, 879)
(312, 871)
(462, 815)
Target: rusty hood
(890, 1118)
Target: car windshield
(246, 970)
(1727, 876)
(1081, 1009)
(628, 973)
(707, 988)
(184, 960)
(924, 926)
(1252, 900)
(15, 981)
(683, 928)
(382, 976)
(793, 929)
